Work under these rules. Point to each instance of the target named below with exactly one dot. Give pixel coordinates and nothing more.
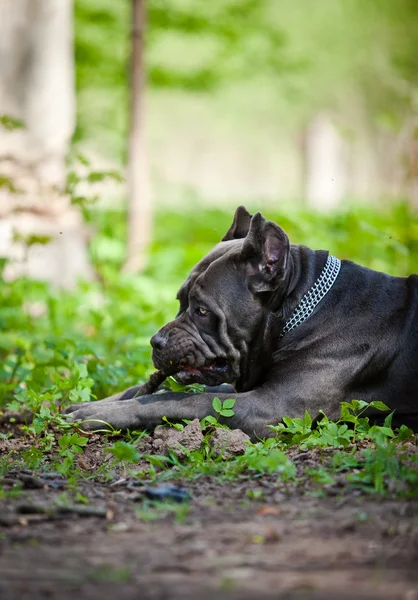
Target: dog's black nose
(158, 341)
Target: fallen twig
(57, 511)
(154, 381)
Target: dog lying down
(293, 329)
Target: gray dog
(292, 328)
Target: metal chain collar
(314, 296)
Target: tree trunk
(326, 164)
(37, 88)
(139, 193)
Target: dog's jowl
(291, 329)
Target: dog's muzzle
(196, 363)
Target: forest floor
(252, 536)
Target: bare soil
(253, 537)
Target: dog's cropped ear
(240, 225)
(266, 253)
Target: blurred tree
(191, 46)
(139, 193)
(391, 91)
(37, 91)
(237, 40)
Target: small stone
(167, 491)
(191, 437)
(158, 445)
(229, 442)
(168, 438)
(145, 444)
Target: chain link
(312, 298)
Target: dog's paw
(73, 407)
(89, 416)
(93, 416)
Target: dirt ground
(253, 537)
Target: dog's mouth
(212, 373)
(219, 365)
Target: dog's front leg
(146, 412)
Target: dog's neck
(315, 294)
(304, 271)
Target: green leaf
(271, 461)
(321, 476)
(82, 159)
(379, 405)
(66, 465)
(82, 370)
(388, 420)
(227, 413)
(229, 403)
(217, 405)
(347, 411)
(363, 425)
(173, 385)
(82, 441)
(32, 240)
(195, 388)
(97, 176)
(358, 405)
(380, 434)
(63, 441)
(177, 426)
(8, 184)
(45, 413)
(11, 123)
(404, 433)
(84, 394)
(124, 452)
(307, 419)
(39, 425)
(209, 420)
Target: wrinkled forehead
(216, 262)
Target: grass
(58, 348)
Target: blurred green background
(235, 89)
(238, 89)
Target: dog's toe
(74, 407)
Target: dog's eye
(202, 312)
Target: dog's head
(218, 335)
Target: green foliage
(77, 175)
(222, 409)
(190, 45)
(325, 433)
(381, 469)
(268, 54)
(32, 240)
(69, 445)
(266, 457)
(124, 452)
(10, 123)
(231, 40)
(173, 385)
(8, 185)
